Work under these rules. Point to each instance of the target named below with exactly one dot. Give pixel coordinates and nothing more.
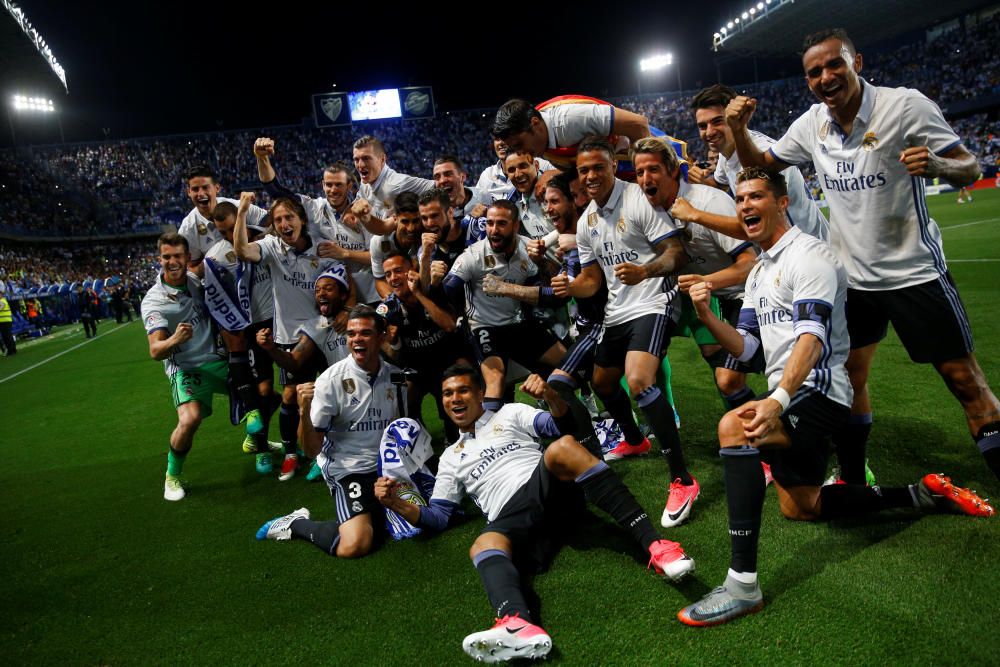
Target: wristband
(782, 397)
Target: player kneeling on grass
(342, 417)
(498, 462)
(794, 309)
(180, 335)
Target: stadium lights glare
(24, 103)
(656, 62)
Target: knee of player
(731, 430)
(564, 456)
(795, 512)
(189, 420)
(729, 382)
(354, 547)
(638, 384)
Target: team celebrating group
(578, 255)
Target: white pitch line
(969, 224)
(956, 261)
(59, 354)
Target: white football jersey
(390, 184)
(569, 124)
(709, 250)
(353, 410)
(201, 233)
(492, 463)
(165, 306)
(331, 226)
(879, 225)
(321, 332)
(798, 287)
(293, 282)
(478, 260)
(626, 230)
(803, 212)
(494, 182)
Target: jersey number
(354, 490)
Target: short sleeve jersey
(879, 224)
(479, 260)
(422, 339)
(331, 344)
(390, 184)
(709, 250)
(626, 230)
(798, 287)
(494, 182)
(293, 281)
(261, 293)
(382, 246)
(332, 227)
(569, 124)
(201, 233)
(491, 464)
(353, 410)
(165, 306)
(802, 209)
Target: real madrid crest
(314, 263)
(869, 142)
(498, 428)
(621, 225)
(777, 279)
(490, 261)
(524, 265)
(202, 229)
(824, 130)
(592, 219)
(389, 394)
(349, 385)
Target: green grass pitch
(99, 569)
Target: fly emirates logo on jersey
(766, 317)
(611, 256)
(848, 179)
(373, 420)
(301, 280)
(490, 454)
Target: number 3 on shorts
(354, 490)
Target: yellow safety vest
(6, 315)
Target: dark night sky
(146, 68)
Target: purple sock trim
(565, 379)
(595, 469)
(647, 396)
(488, 553)
(860, 419)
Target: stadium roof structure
(27, 63)
(777, 27)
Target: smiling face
(462, 398)
(368, 161)
(714, 131)
(501, 230)
(174, 262)
(203, 190)
(337, 188)
(408, 228)
(561, 211)
(522, 171)
(597, 174)
(760, 212)
(396, 270)
(287, 224)
(535, 140)
(365, 342)
(448, 177)
(657, 183)
(832, 75)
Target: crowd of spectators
(23, 267)
(135, 186)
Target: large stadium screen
(374, 104)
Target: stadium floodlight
(24, 103)
(658, 61)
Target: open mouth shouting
(753, 224)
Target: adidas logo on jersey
(793, 420)
(354, 401)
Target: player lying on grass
(517, 484)
(794, 310)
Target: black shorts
(649, 333)
(580, 355)
(260, 361)
(312, 367)
(929, 319)
(536, 509)
(810, 421)
(524, 342)
(354, 495)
